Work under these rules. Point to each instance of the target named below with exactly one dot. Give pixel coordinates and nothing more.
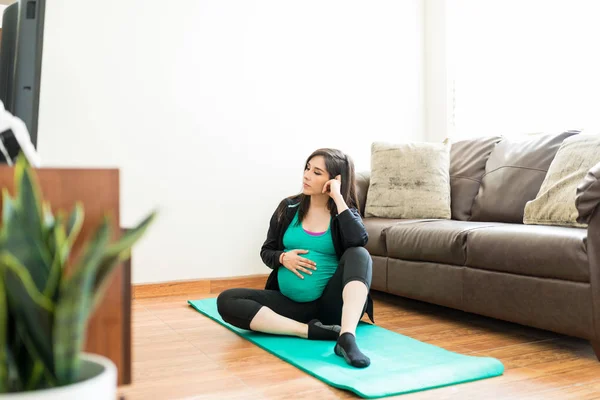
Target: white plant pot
(98, 381)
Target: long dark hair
(336, 163)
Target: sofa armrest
(588, 195)
(362, 187)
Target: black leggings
(239, 306)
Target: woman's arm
(352, 228)
(340, 203)
(269, 252)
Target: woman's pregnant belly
(312, 286)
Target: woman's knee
(358, 258)
(358, 265)
(237, 308)
(357, 253)
(225, 302)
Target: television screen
(20, 67)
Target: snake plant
(46, 303)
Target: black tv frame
(21, 51)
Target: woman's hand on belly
(293, 262)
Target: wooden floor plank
(178, 353)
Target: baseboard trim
(202, 286)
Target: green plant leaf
(30, 309)
(102, 278)
(8, 208)
(58, 242)
(16, 274)
(116, 253)
(4, 382)
(48, 225)
(124, 244)
(36, 377)
(74, 224)
(23, 244)
(23, 361)
(29, 198)
(48, 215)
(20, 361)
(33, 373)
(15, 347)
(73, 308)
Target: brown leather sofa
(485, 260)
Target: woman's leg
(268, 321)
(266, 311)
(345, 300)
(354, 296)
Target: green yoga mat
(399, 364)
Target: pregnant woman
(319, 287)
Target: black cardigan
(347, 230)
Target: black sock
(318, 331)
(346, 347)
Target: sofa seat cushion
(534, 250)
(442, 241)
(376, 228)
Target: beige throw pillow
(409, 180)
(555, 201)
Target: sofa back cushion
(467, 167)
(514, 173)
(362, 187)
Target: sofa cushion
(555, 202)
(362, 187)
(442, 241)
(467, 166)
(376, 229)
(533, 250)
(514, 173)
(409, 180)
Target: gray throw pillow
(410, 180)
(555, 202)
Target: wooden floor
(178, 353)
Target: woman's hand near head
(292, 261)
(333, 187)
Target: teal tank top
(320, 250)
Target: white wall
(438, 101)
(2, 8)
(522, 68)
(209, 108)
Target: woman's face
(315, 176)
